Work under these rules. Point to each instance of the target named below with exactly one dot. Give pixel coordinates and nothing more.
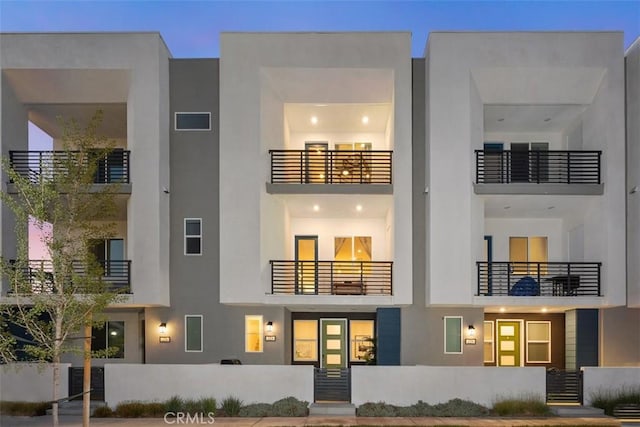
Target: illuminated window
(453, 334)
(111, 337)
(356, 248)
(253, 331)
(193, 333)
(488, 342)
(361, 333)
(539, 342)
(305, 340)
(524, 252)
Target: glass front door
(315, 163)
(333, 343)
(306, 248)
(509, 343)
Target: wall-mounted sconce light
(471, 331)
(269, 326)
(162, 328)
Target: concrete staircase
(328, 409)
(74, 407)
(578, 411)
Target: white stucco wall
(108, 68)
(405, 385)
(597, 380)
(249, 383)
(31, 382)
(259, 73)
(633, 174)
(469, 70)
(503, 228)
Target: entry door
(509, 342)
(111, 252)
(519, 162)
(539, 161)
(306, 264)
(333, 343)
(316, 162)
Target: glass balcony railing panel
(331, 167)
(331, 278)
(558, 279)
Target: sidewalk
(76, 421)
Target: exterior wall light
(162, 328)
(269, 326)
(471, 331)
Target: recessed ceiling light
(320, 105)
(502, 309)
(544, 309)
(548, 119)
(359, 208)
(316, 208)
(501, 119)
(314, 120)
(365, 120)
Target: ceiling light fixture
(502, 309)
(316, 208)
(544, 309)
(359, 208)
(314, 120)
(365, 120)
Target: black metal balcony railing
(36, 165)
(330, 167)
(116, 274)
(331, 277)
(564, 279)
(539, 167)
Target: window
(193, 236)
(488, 342)
(253, 334)
(526, 252)
(539, 342)
(356, 248)
(193, 333)
(453, 334)
(361, 333)
(305, 340)
(193, 121)
(109, 340)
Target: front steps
(74, 407)
(338, 409)
(576, 411)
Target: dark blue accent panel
(388, 334)
(587, 337)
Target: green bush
(256, 410)
(207, 405)
(24, 409)
(459, 408)
(377, 409)
(102, 412)
(174, 404)
(290, 407)
(521, 406)
(140, 410)
(607, 399)
(231, 406)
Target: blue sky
(191, 28)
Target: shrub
(378, 409)
(256, 410)
(102, 412)
(459, 408)
(607, 399)
(231, 406)
(521, 406)
(174, 404)
(290, 407)
(139, 410)
(207, 405)
(24, 409)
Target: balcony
(37, 165)
(331, 278)
(116, 275)
(538, 172)
(330, 171)
(522, 279)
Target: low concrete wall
(29, 382)
(597, 379)
(405, 385)
(250, 383)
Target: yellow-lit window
(539, 342)
(305, 340)
(253, 331)
(526, 252)
(356, 248)
(361, 333)
(488, 342)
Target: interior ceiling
(337, 117)
(530, 118)
(338, 205)
(114, 120)
(540, 206)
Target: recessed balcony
(538, 172)
(44, 165)
(535, 279)
(332, 278)
(331, 171)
